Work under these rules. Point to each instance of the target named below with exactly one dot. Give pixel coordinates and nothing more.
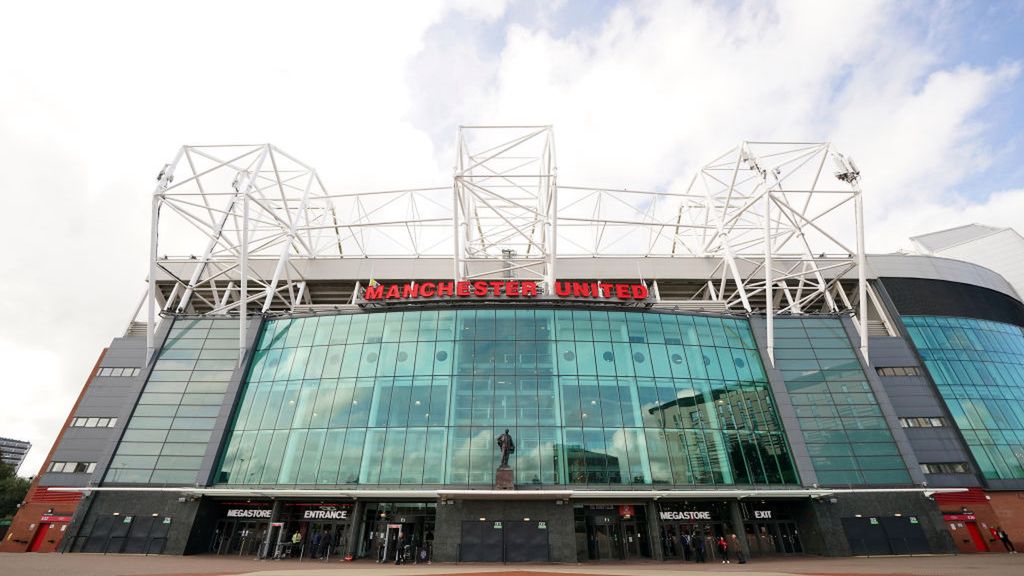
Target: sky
(96, 97)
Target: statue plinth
(504, 478)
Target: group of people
(695, 548)
(320, 544)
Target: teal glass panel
(418, 397)
(978, 367)
(834, 405)
(180, 403)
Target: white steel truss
(235, 227)
(505, 199)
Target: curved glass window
(590, 397)
(847, 437)
(978, 366)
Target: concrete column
(736, 524)
(654, 531)
(352, 540)
(275, 515)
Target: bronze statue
(507, 447)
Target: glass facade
(169, 431)
(847, 437)
(978, 366)
(590, 397)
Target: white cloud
(662, 87)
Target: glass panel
(418, 398)
(979, 368)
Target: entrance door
(138, 535)
(158, 535)
(39, 537)
(526, 542)
(790, 538)
(905, 536)
(481, 542)
(118, 534)
(979, 542)
(607, 542)
(866, 537)
(631, 540)
(98, 536)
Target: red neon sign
(501, 289)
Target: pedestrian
(315, 544)
(698, 547)
(739, 549)
(1005, 538)
(686, 540)
(296, 541)
(723, 549)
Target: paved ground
(126, 565)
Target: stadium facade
(723, 361)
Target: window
(899, 371)
(978, 368)
(591, 396)
(923, 422)
(72, 467)
(946, 468)
(119, 372)
(94, 422)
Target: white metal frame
(784, 230)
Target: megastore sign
(429, 290)
(687, 515)
(248, 513)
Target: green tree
(12, 490)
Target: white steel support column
(769, 301)
(862, 282)
(243, 290)
(151, 309)
(286, 247)
(552, 239)
(164, 179)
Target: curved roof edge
(938, 268)
(608, 267)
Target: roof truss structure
(245, 221)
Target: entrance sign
(503, 290)
(325, 515)
(688, 515)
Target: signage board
(959, 517)
(325, 515)
(762, 514)
(54, 518)
(626, 510)
(248, 513)
(505, 290)
(687, 515)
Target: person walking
(315, 544)
(1005, 539)
(686, 540)
(296, 542)
(723, 549)
(698, 547)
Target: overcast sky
(96, 96)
